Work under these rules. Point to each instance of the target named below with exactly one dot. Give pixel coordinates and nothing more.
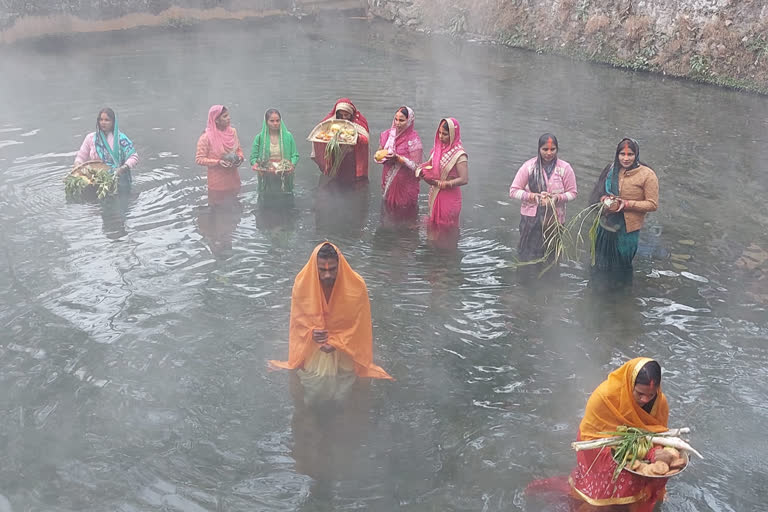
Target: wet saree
(445, 204)
(609, 406)
(354, 166)
(399, 184)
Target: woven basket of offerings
(90, 180)
(343, 131)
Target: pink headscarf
(221, 141)
(441, 149)
(404, 142)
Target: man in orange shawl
(631, 396)
(330, 329)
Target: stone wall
(718, 41)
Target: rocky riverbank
(723, 42)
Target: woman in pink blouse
(538, 180)
(111, 146)
(218, 149)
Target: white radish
(675, 432)
(668, 438)
(675, 442)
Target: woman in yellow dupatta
(631, 396)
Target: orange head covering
(346, 317)
(612, 404)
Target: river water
(135, 334)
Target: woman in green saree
(274, 157)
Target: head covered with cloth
(222, 137)
(623, 399)
(631, 396)
(114, 155)
(345, 314)
(345, 109)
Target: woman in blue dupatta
(111, 146)
(273, 157)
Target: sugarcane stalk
(596, 443)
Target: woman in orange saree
(631, 396)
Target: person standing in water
(539, 182)
(445, 172)
(401, 150)
(630, 190)
(218, 149)
(631, 396)
(274, 157)
(354, 166)
(330, 332)
(111, 146)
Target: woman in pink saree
(399, 184)
(445, 171)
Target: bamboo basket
(323, 128)
(89, 192)
(97, 165)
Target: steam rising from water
(136, 333)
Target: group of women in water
(544, 184)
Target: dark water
(135, 334)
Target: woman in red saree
(445, 171)
(354, 167)
(399, 184)
(631, 396)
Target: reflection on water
(329, 428)
(114, 214)
(217, 222)
(341, 212)
(136, 332)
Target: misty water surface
(135, 333)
